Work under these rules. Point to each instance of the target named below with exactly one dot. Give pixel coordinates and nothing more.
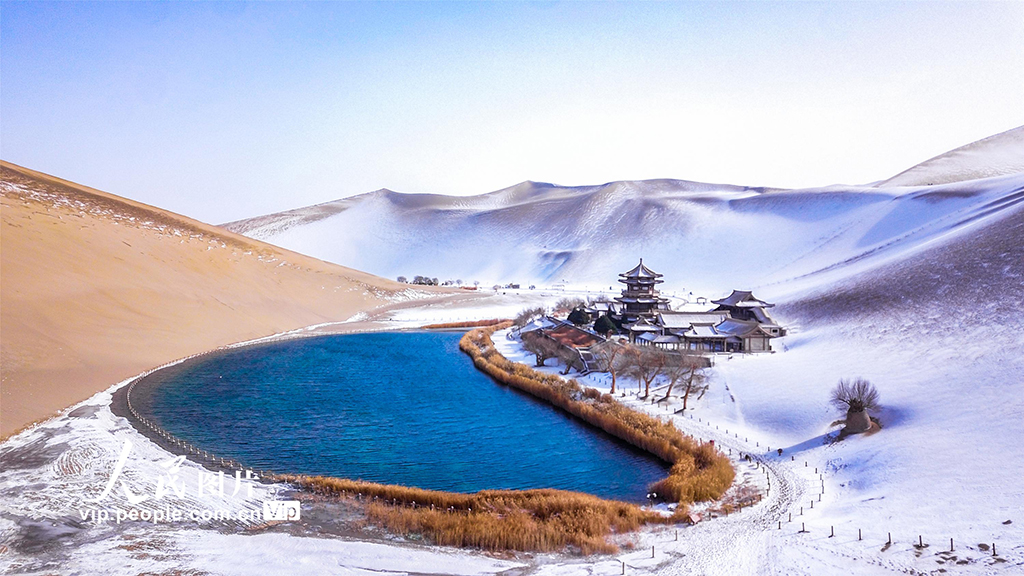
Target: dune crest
(996, 155)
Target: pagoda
(640, 299)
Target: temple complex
(739, 323)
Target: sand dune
(706, 239)
(996, 155)
(96, 288)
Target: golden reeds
(538, 520)
(543, 520)
(464, 324)
(699, 472)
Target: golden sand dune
(95, 288)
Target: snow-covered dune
(705, 238)
(996, 155)
(914, 284)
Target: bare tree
(541, 346)
(568, 304)
(645, 364)
(527, 315)
(857, 397)
(614, 358)
(570, 357)
(687, 370)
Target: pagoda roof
(641, 272)
(641, 299)
(742, 299)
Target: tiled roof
(641, 272)
(675, 320)
(573, 337)
(742, 298)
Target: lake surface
(398, 408)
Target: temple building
(739, 323)
(640, 298)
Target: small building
(568, 338)
(643, 326)
(743, 305)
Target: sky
(223, 111)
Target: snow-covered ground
(917, 289)
(930, 474)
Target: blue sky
(222, 111)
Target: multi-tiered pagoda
(640, 298)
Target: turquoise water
(399, 408)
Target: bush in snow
(578, 317)
(857, 397)
(604, 325)
(568, 304)
(526, 316)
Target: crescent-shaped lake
(394, 407)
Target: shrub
(604, 325)
(578, 317)
(568, 304)
(855, 396)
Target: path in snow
(751, 541)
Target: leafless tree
(567, 304)
(541, 346)
(614, 358)
(687, 370)
(855, 396)
(645, 363)
(527, 315)
(570, 357)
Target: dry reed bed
(699, 472)
(538, 520)
(543, 520)
(465, 324)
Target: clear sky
(222, 111)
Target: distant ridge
(996, 155)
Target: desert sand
(95, 288)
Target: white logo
(281, 510)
